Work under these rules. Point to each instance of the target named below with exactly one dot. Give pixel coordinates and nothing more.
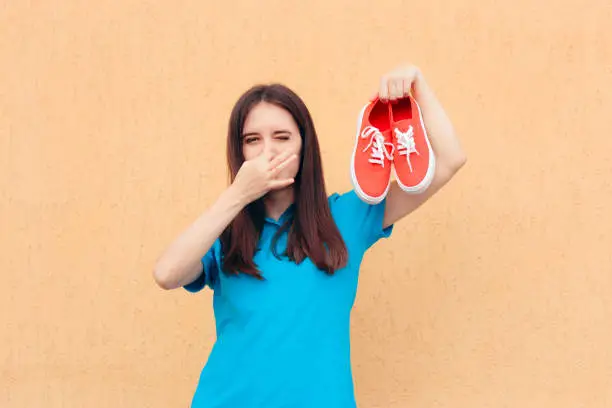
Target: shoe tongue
(403, 124)
(388, 134)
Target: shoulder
(347, 207)
(347, 202)
(357, 219)
(336, 198)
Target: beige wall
(112, 131)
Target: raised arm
(449, 155)
(180, 264)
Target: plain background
(113, 118)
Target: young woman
(283, 257)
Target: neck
(277, 202)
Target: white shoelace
(406, 145)
(378, 145)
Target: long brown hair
(312, 231)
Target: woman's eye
(249, 140)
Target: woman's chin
(278, 192)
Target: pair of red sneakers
(391, 135)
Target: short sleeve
(210, 272)
(359, 220)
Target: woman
(282, 257)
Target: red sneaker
(413, 161)
(373, 153)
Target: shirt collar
(284, 216)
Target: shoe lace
(406, 145)
(378, 145)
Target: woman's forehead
(268, 117)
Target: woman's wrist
(233, 198)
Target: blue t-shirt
(285, 342)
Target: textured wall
(112, 132)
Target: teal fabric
(285, 341)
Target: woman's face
(270, 129)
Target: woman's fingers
(278, 184)
(407, 87)
(278, 159)
(396, 89)
(383, 91)
(282, 163)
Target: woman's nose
(270, 150)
